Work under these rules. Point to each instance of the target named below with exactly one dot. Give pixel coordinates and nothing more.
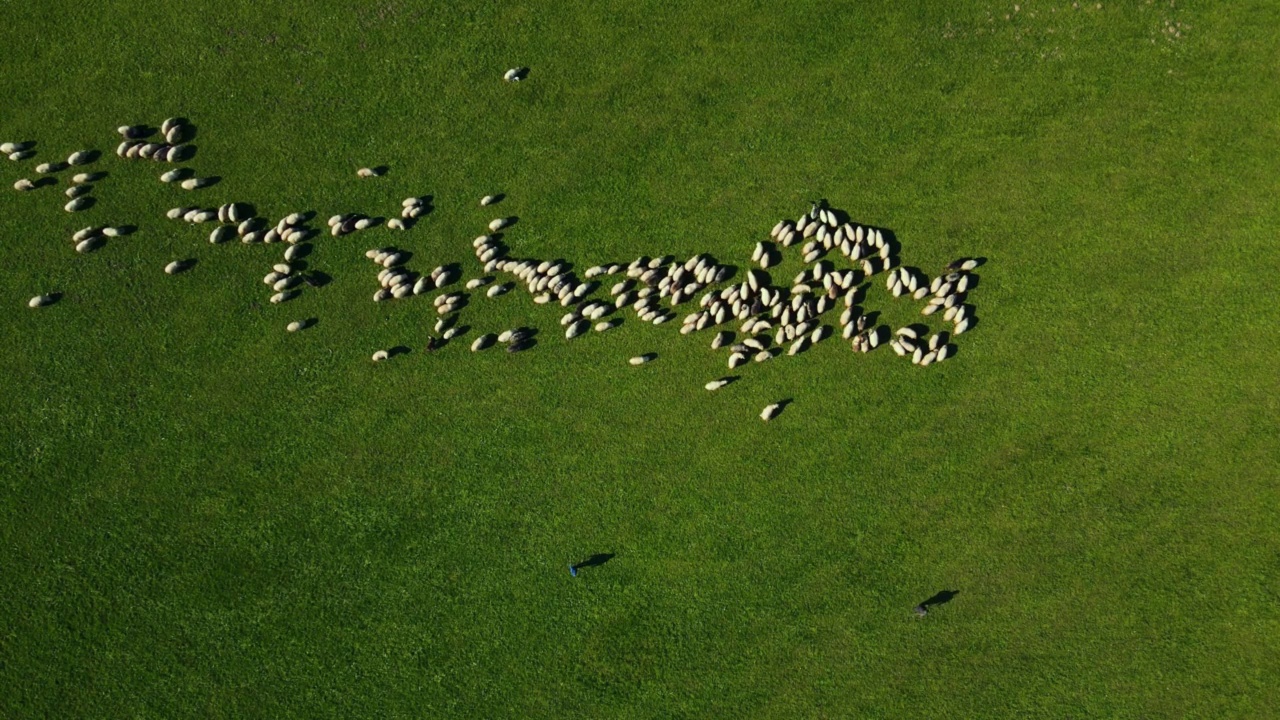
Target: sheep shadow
(398, 350)
(91, 156)
(526, 344)
(317, 279)
(43, 182)
(520, 74)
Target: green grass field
(202, 515)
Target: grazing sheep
(89, 245)
(293, 252)
(367, 172)
(47, 168)
(77, 204)
(22, 155)
(720, 339)
(295, 326)
(945, 352)
(286, 283)
(381, 355)
(283, 268)
(40, 301)
(195, 183)
(84, 157)
(222, 234)
(736, 359)
(383, 294)
(175, 267)
(482, 342)
(24, 185)
(576, 329)
(770, 411)
(642, 359)
(488, 200)
(961, 327)
(498, 224)
(8, 147)
(396, 224)
(284, 296)
(272, 278)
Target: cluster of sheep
(177, 134)
(772, 318)
(398, 282)
(81, 183)
(91, 238)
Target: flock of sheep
(754, 317)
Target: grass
(201, 515)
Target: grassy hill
(202, 515)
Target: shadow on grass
(594, 561)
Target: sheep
(381, 355)
(195, 183)
(24, 185)
(717, 384)
(488, 200)
(367, 172)
(285, 283)
(77, 204)
(961, 327)
(720, 339)
(642, 359)
(737, 359)
(770, 411)
(293, 252)
(48, 168)
(381, 295)
(576, 329)
(84, 157)
(20, 155)
(89, 245)
(498, 224)
(283, 296)
(221, 234)
(482, 342)
(945, 352)
(40, 301)
(175, 267)
(295, 326)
